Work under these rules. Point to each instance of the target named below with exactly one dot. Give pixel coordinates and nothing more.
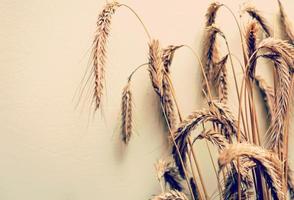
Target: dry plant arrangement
(249, 167)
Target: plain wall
(50, 150)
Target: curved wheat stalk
(267, 161)
(256, 14)
(171, 195)
(99, 49)
(286, 23)
(126, 114)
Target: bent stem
(138, 17)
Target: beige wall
(51, 151)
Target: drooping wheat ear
(291, 182)
(267, 94)
(210, 53)
(169, 172)
(126, 113)
(231, 182)
(251, 43)
(211, 13)
(256, 14)
(156, 66)
(222, 79)
(283, 65)
(194, 188)
(168, 55)
(220, 117)
(167, 96)
(215, 138)
(287, 26)
(278, 124)
(267, 161)
(168, 101)
(99, 49)
(279, 47)
(171, 195)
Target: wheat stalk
(286, 23)
(267, 161)
(126, 113)
(256, 14)
(99, 49)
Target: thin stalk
(133, 72)
(138, 17)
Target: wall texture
(51, 150)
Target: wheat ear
(251, 44)
(210, 53)
(219, 115)
(126, 113)
(211, 13)
(99, 49)
(287, 26)
(267, 161)
(256, 14)
(167, 96)
(156, 66)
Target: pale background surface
(49, 150)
